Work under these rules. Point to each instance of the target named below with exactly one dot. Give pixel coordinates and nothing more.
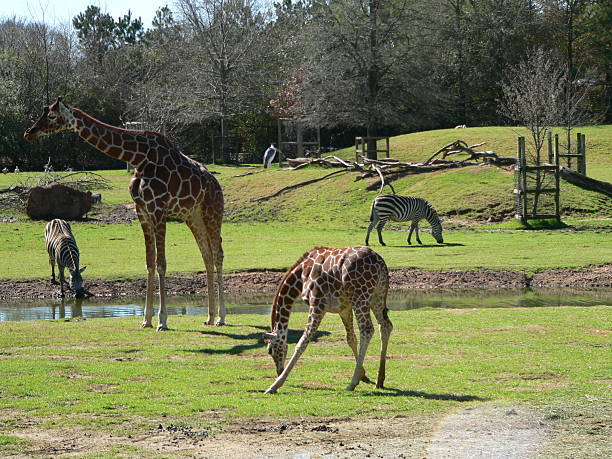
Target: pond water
(259, 303)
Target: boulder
(58, 201)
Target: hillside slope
(478, 193)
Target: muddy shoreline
(266, 281)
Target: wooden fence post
(522, 179)
(582, 150)
(557, 184)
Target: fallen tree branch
(249, 173)
(585, 182)
(327, 161)
(396, 174)
(459, 146)
(297, 185)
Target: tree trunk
(373, 78)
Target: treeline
(216, 74)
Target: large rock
(58, 201)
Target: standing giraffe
(166, 183)
(343, 281)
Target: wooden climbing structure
(537, 185)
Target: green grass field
(109, 375)
(117, 251)
(335, 212)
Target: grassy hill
(471, 193)
(335, 212)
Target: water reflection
(259, 303)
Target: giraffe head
(55, 118)
(277, 348)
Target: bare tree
(221, 72)
(364, 66)
(533, 96)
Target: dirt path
(480, 431)
(488, 432)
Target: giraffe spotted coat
(347, 281)
(166, 183)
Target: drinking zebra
(400, 209)
(62, 247)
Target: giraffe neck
(289, 289)
(122, 144)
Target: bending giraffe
(166, 183)
(352, 280)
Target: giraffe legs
(209, 243)
(219, 268)
(149, 238)
(382, 317)
(160, 262)
(347, 319)
(315, 316)
(366, 330)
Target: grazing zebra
(62, 247)
(400, 209)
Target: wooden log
(585, 182)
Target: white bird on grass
(269, 156)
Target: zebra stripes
(400, 209)
(62, 248)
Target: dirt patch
(596, 276)
(476, 431)
(261, 438)
(418, 278)
(262, 281)
(120, 213)
(488, 431)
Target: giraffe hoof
(350, 388)
(270, 391)
(161, 327)
(209, 322)
(220, 323)
(146, 325)
(380, 386)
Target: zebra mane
(75, 262)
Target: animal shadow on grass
(391, 392)
(427, 246)
(255, 340)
